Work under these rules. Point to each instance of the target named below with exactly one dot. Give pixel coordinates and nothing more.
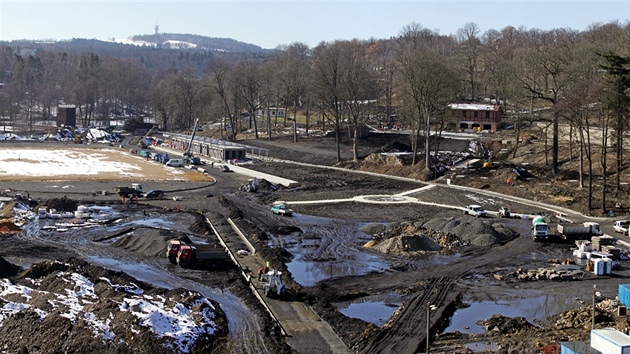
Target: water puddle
(308, 273)
(533, 309)
(373, 309)
(327, 248)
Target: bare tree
(220, 72)
(294, 64)
(426, 82)
(326, 84)
(551, 57)
(469, 53)
(248, 82)
(356, 86)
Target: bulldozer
(272, 284)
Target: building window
(487, 114)
(464, 114)
(476, 115)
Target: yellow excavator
(141, 144)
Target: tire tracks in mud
(406, 331)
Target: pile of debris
(560, 272)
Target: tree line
(560, 77)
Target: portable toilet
(602, 266)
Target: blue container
(624, 294)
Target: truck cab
(172, 249)
(281, 208)
(622, 226)
(475, 210)
(595, 229)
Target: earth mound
(149, 242)
(435, 235)
(74, 307)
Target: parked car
(154, 194)
(175, 163)
(225, 168)
(475, 210)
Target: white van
(175, 163)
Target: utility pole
(593, 317)
(429, 323)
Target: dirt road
(327, 238)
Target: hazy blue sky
(269, 24)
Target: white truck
(475, 210)
(540, 229)
(622, 226)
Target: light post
(429, 309)
(593, 317)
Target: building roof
(474, 106)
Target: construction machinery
(202, 256)
(280, 208)
(250, 186)
(540, 229)
(272, 284)
(143, 143)
(129, 192)
(188, 155)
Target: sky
(270, 24)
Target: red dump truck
(197, 256)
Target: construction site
(345, 264)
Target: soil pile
(435, 235)
(407, 244)
(74, 307)
(149, 242)
(473, 231)
(60, 204)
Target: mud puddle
(375, 309)
(327, 248)
(534, 309)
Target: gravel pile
(149, 242)
(436, 234)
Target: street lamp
(593, 317)
(429, 309)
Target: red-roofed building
(476, 116)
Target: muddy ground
(470, 270)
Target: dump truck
(540, 229)
(172, 249)
(202, 256)
(577, 232)
(129, 192)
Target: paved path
(305, 331)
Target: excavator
(142, 144)
(188, 155)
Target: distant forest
(553, 77)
